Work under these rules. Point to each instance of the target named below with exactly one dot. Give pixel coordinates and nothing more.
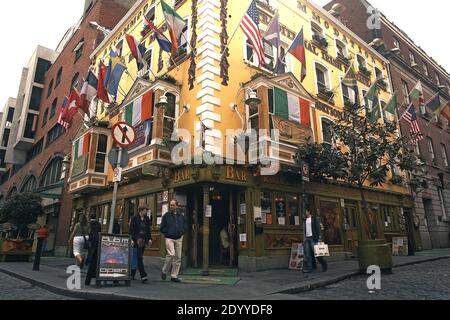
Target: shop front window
(280, 205)
(266, 208)
(285, 206)
(293, 210)
(330, 219)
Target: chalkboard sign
(114, 258)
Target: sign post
(124, 135)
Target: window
(52, 173)
(431, 150)
(269, 53)
(50, 89)
(441, 201)
(148, 60)
(396, 43)
(444, 155)
(322, 76)
(438, 79)
(346, 94)
(36, 150)
(412, 58)
(327, 131)
(30, 126)
(58, 77)
(2, 159)
(53, 108)
(425, 68)
(29, 185)
(379, 73)
(169, 116)
(405, 90)
(5, 140)
(54, 134)
(119, 48)
(183, 40)
(361, 62)
(41, 69)
(10, 114)
(74, 82)
(417, 148)
(150, 14)
(35, 100)
(100, 157)
(44, 119)
(79, 50)
(341, 49)
(317, 31)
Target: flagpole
(340, 82)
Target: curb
(86, 295)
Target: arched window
(53, 108)
(52, 173)
(341, 49)
(58, 77)
(29, 185)
(50, 89)
(361, 61)
(327, 131)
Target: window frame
(78, 50)
(50, 89)
(431, 150)
(322, 120)
(101, 155)
(58, 77)
(444, 155)
(327, 79)
(344, 47)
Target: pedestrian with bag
(312, 236)
(79, 240)
(94, 238)
(140, 231)
(173, 227)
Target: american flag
(410, 117)
(61, 119)
(250, 26)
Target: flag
(391, 107)
(373, 103)
(272, 36)
(410, 117)
(175, 23)
(82, 146)
(250, 27)
(115, 71)
(417, 91)
(60, 120)
(445, 111)
(140, 110)
(287, 106)
(351, 83)
(297, 49)
(434, 103)
(88, 92)
(102, 94)
(163, 42)
(72, 107)
(137, 50)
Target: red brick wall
(106, 13)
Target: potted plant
(17, 213)
(356, 163)
(365, 71)
(320, 40)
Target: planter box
(375, 253)
(12, 250)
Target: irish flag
(175, 23)
(140, 110)
(417, 92)
(287, 106)
(82, 146)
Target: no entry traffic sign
(123, 134)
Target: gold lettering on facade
(182, 175)
(236, 174)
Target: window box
(326, 94)
(366, 72)
(320, 40)
(343, 59)
(382, 83)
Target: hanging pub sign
(114, 258)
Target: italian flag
(140, 110)
(287, 106)
(175, 23)
(417, 92)
(82, 146)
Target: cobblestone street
(427, 281)
(15, 289)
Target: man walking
(140, 231)
(173, 227)
(311, 229)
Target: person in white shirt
(311, 228)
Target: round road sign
(123, 134)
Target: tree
(364, 154)
(21, 210)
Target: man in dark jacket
(173, 227)
(140, 231)
(95, 230)
(311, 229)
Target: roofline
(350, 32)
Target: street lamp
(94, 25)
(377, 42)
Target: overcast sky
(25, 24)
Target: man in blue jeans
(311, 229)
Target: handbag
(321, 250)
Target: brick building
(37, 149)
(409, 64)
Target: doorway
(351, 227)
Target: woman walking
(79, 239)
(140, 231)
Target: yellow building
(209, 93)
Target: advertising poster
(297, 256)
(143, 136)
(400, 246)
(114, 258)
